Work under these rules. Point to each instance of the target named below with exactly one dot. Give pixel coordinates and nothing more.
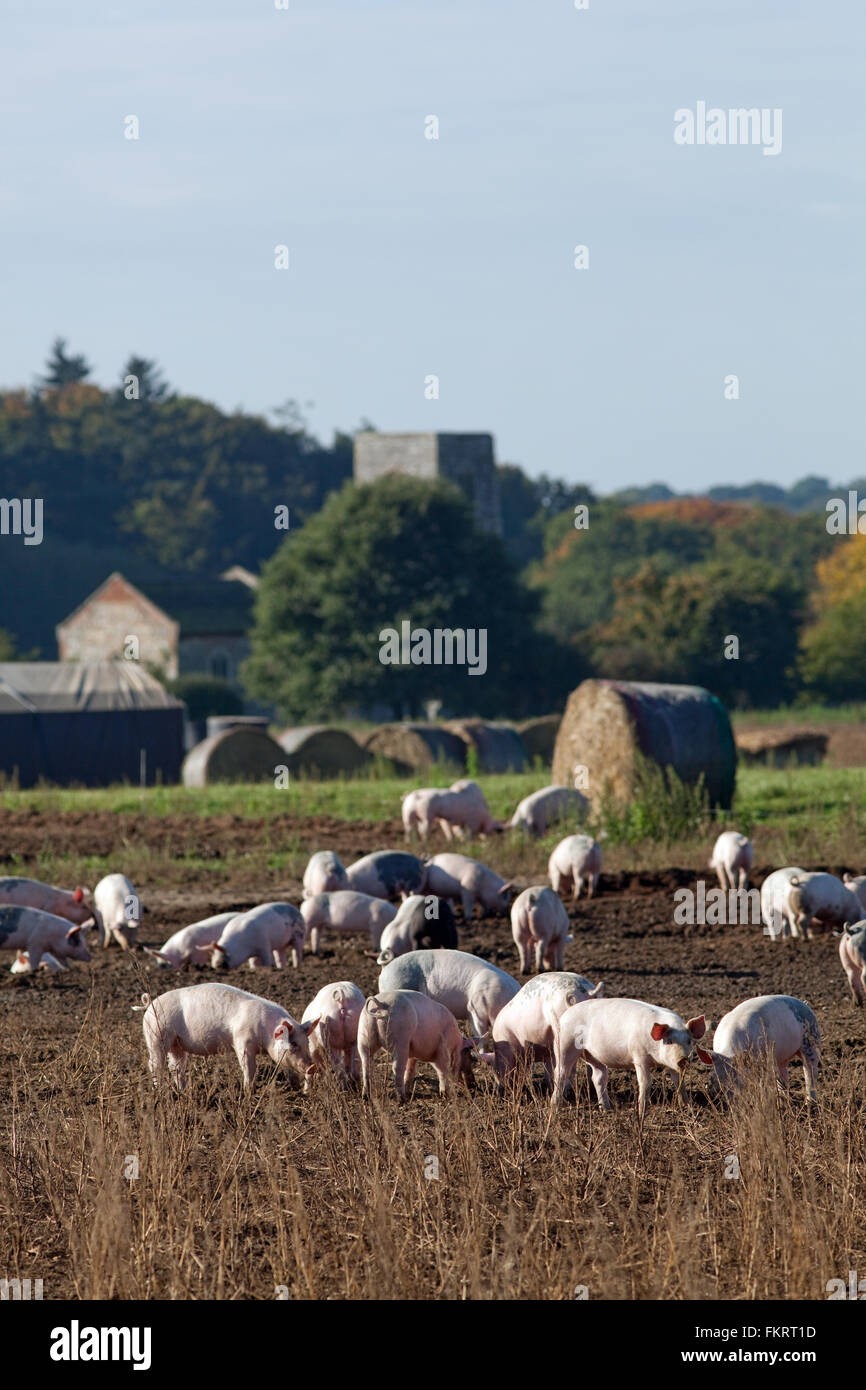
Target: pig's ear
(78, 895)
(22, 958)
(488, 1057)
(660, 1030)
(706, 1057)
(697, 1026)
(73, 931)
(310, 1025)
(281, 1028)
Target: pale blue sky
(454, 257)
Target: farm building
(464, 459)
(180, 624)
(90, 723)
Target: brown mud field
(322, 1196)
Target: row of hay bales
(246, 752)
(607, 728)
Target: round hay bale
(235, 755)
(608, 723)
(413, 747)
(499, 746)
(539, 736)
(320, 750)
(781, 747)
(217, 722)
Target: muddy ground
(625, 936)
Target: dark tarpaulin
(71, 722)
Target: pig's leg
(644, 1074)
(721, 876)
(479, 1022)
(367, 1054)
(559, 953)
(442, 1065)
(246, 1055)
(467, 900)
(446, 830)
(353, 1063)
(399, 1068)
(409, 1073)
(155, 1057)
(599, 1075)
(576, 885)
(860, 987)
(177, 1065)
(34, 955)
(555, 880)
(565, 1060)
(279, 958)
(315, 937)
(811, 1069)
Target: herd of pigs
(427, 985)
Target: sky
(411, 257)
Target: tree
(151, 384)
(61, 369)
(374, 556)
(731, 628)
(833, 645)
(204, 695)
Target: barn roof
(42, 687)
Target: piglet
(539, 921)
(261, 936)
(76, 905)
(412, 1028)
(117, 910)
(201, 1020)
(852, 953)
(347, 912)
(324, 874)
(334, 1036)
(40, 934)
(771, 1023)
(732, 860)
(575, 864)
(610, 1033)
(192, 945)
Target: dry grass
(327, 1197)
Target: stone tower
(463, 459)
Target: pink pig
(261, 936)
(76, 906)
(539, 920)
(852, 953)
(525, 1027)
(201, 1020)
(40, 934)
(334, 1037)
(413, 1028)
(622, 1033)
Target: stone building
(464, 459)
(179, 625)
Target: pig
(525, 1026)
(852, 953)
(857, 884)
(420, 922)
(732, 860)
(622, 1033)
(412, 1027)
(536, 813)
(262, 936)
(462, 806)
(387, 874)
(200, 1020)
(538, 919)
(324, 874)
(21, 964)
(191, 945)
(346, 912)
(823, 896)
(770, 1023)
(774, 901)
(117, 911)
(76, 906)
(470, 987)
(575, 864)
(333, 1040)
(41, 934)
(456, 876)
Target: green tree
(374, 556)
(732, 628)
(63, 369)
